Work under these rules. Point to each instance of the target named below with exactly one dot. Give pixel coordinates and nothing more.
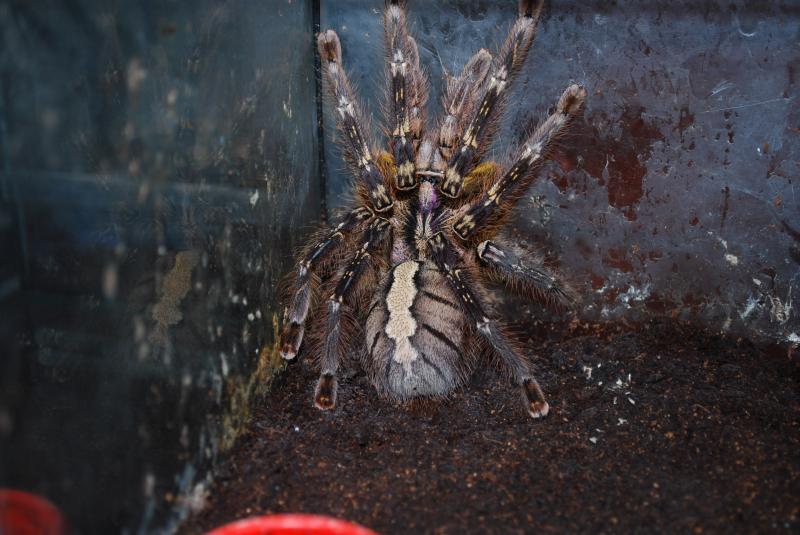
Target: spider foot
(291, 338)
(325, 393)
(534, 399)
(572, 99)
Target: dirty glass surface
(157, 171)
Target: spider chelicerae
(403, 275)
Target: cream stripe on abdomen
(401, 325)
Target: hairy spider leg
(408, 92)
(477, 136)
(349, 120)
(504, 193)
(460, 97)
(295, 315)
(325, 392)
(519, 366)
(529, 278)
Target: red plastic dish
(291, 525)
(22, 513)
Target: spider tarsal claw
(325, 393)
(534, 399)
(538, 409)
(291, 338)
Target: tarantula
(405, 269)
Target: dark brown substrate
(663, 430)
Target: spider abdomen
(415, 334)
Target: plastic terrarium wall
(158, 161)
(161, 161)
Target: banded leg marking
(295, 315)
(512, 55)
(534, 280)
(518, 365)
(460, 99)
(402, 146)
(408, 94)
(350, 121)
(325, 392)
(524, 169)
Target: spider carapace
(401, 277)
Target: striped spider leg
(525, 275)
(295, 314)
(373, 237)
(497, 202)
(407, 93)
(478, 135)
(370, 184)
(459, 101)
(466, 290)
(373, 196)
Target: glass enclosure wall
(158, 168)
